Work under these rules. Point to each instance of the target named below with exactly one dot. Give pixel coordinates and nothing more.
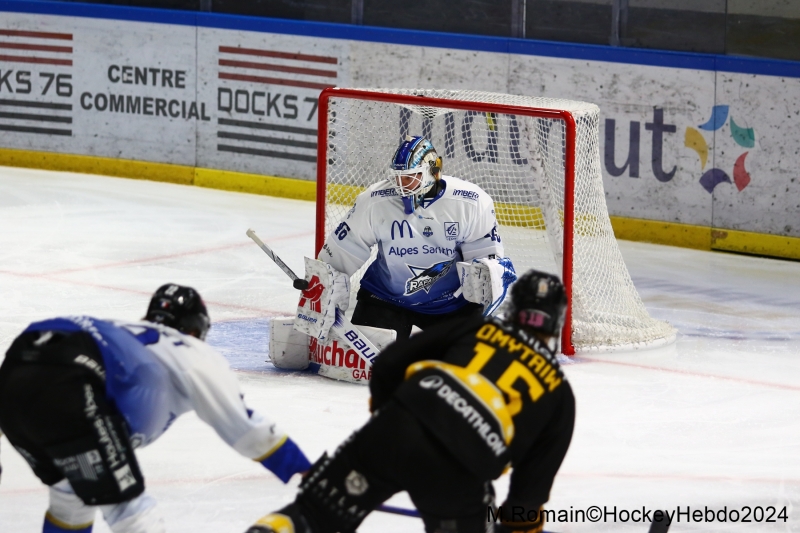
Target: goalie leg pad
(288, 349)
(327, 289)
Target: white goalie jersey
(415, 267)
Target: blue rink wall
(697, 150)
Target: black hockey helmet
(180, 308)
(538, 303)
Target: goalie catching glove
(485, 281)
(327, 289)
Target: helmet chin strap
(409, 203)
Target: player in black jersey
(453, 407)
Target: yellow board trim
(706, 238)
(180, 174)
(256, 184)
(748, 242)
(89, 164)
(632, 229)
(657, 232)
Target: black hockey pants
(373, 311)
(392, 453)
(54, 411)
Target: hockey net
(539, 160)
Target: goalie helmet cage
(538, 158)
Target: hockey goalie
(439, 257)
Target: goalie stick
(297, 282)
(344, 329)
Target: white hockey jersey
(415, 267)
(154, 374)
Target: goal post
(538, 158)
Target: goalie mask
(179, 308)
(538, 303)
(414, 171)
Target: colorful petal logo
(719, 114)
(741, 178)
(712, 178)
(744, 137)
(695, 140)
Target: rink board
(688, 139)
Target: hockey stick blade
(297, 282)
(398, 510)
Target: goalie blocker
(328, 290)
(486, 281)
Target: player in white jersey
(78, 395)
(423, 223)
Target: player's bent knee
(139, 515)
(67, 512)
(337, 495)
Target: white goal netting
(521, 161)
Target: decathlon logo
(401, 227)
(451, 230)
(431, 382)
(472, 416)
(312, 295)
(425, 277)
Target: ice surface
(713, 420)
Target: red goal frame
(569, 165)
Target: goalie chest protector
(415, 266)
